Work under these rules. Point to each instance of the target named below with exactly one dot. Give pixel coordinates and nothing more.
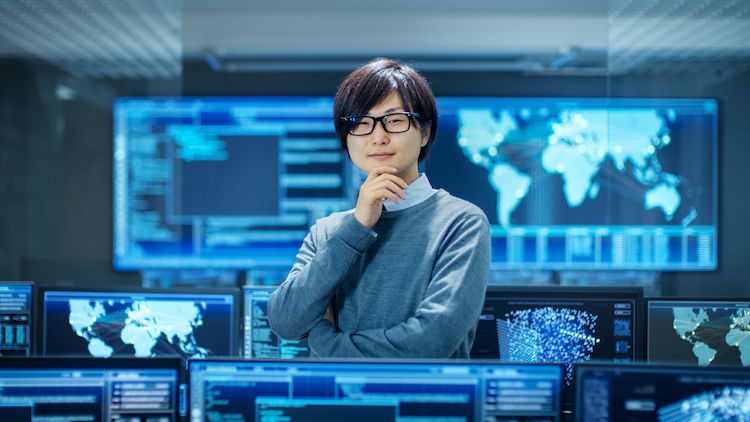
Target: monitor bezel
(625, 102)
(233, 291)
(572, 292)
(120, 264)
(32, 314)
(70, 363)
(598, 101)
(380, 361)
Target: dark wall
(733, 94)
(56, 158)
(14, 130)
(56, 174)
(32, 167)
(199, 79)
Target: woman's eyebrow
(390, 110)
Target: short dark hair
(371, 83)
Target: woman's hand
(329, 315)
(381, 184)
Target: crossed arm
(301, 300)
(449, 309)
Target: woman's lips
(382, 156)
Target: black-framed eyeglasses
(392, 123)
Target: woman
(404, 273)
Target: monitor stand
(191, 278)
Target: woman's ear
(425, 137)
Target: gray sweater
(413, 286)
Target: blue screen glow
(138, 323)
(567, 183)
(377, 391)
(259, 340)
(75, 390)
(663, 393)
(585, 183)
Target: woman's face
(381, 148)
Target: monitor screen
(15, 318)
(563, 325)
(140, 323)
(667, 394)
(223, 182)
(567, 183)
(373, 391)
(44, 389)
(260, 341)
(585, 183)
(699, 332)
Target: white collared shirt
(418, 191)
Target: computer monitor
(560, 324)
(86, 389)
(704, 332)
(586, 183)
(16, 310)
(377, 390)
(139, 322)
(223, 182)
(612, 392)
(260, 341)
(567, 183)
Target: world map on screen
(147, 325)
(575, 145)
(710, 331)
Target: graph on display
(567, 183)
(15, 318)
(140, 324)
(699, 332)
(223, 182)
(549, 325)
(585, 183)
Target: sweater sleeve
(301, 300)
(450, 308)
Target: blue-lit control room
(485, 210)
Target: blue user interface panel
(567, 183)
(661, 393)
(139, 323)
(575, 183)
(15, 318)
(373, 391)
(71, 389)
(562, 325)
(699, 332)
(223, 182)
(260, 341)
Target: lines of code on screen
(223, 182)
(88, 394)
(247, 391)
(260, 340)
